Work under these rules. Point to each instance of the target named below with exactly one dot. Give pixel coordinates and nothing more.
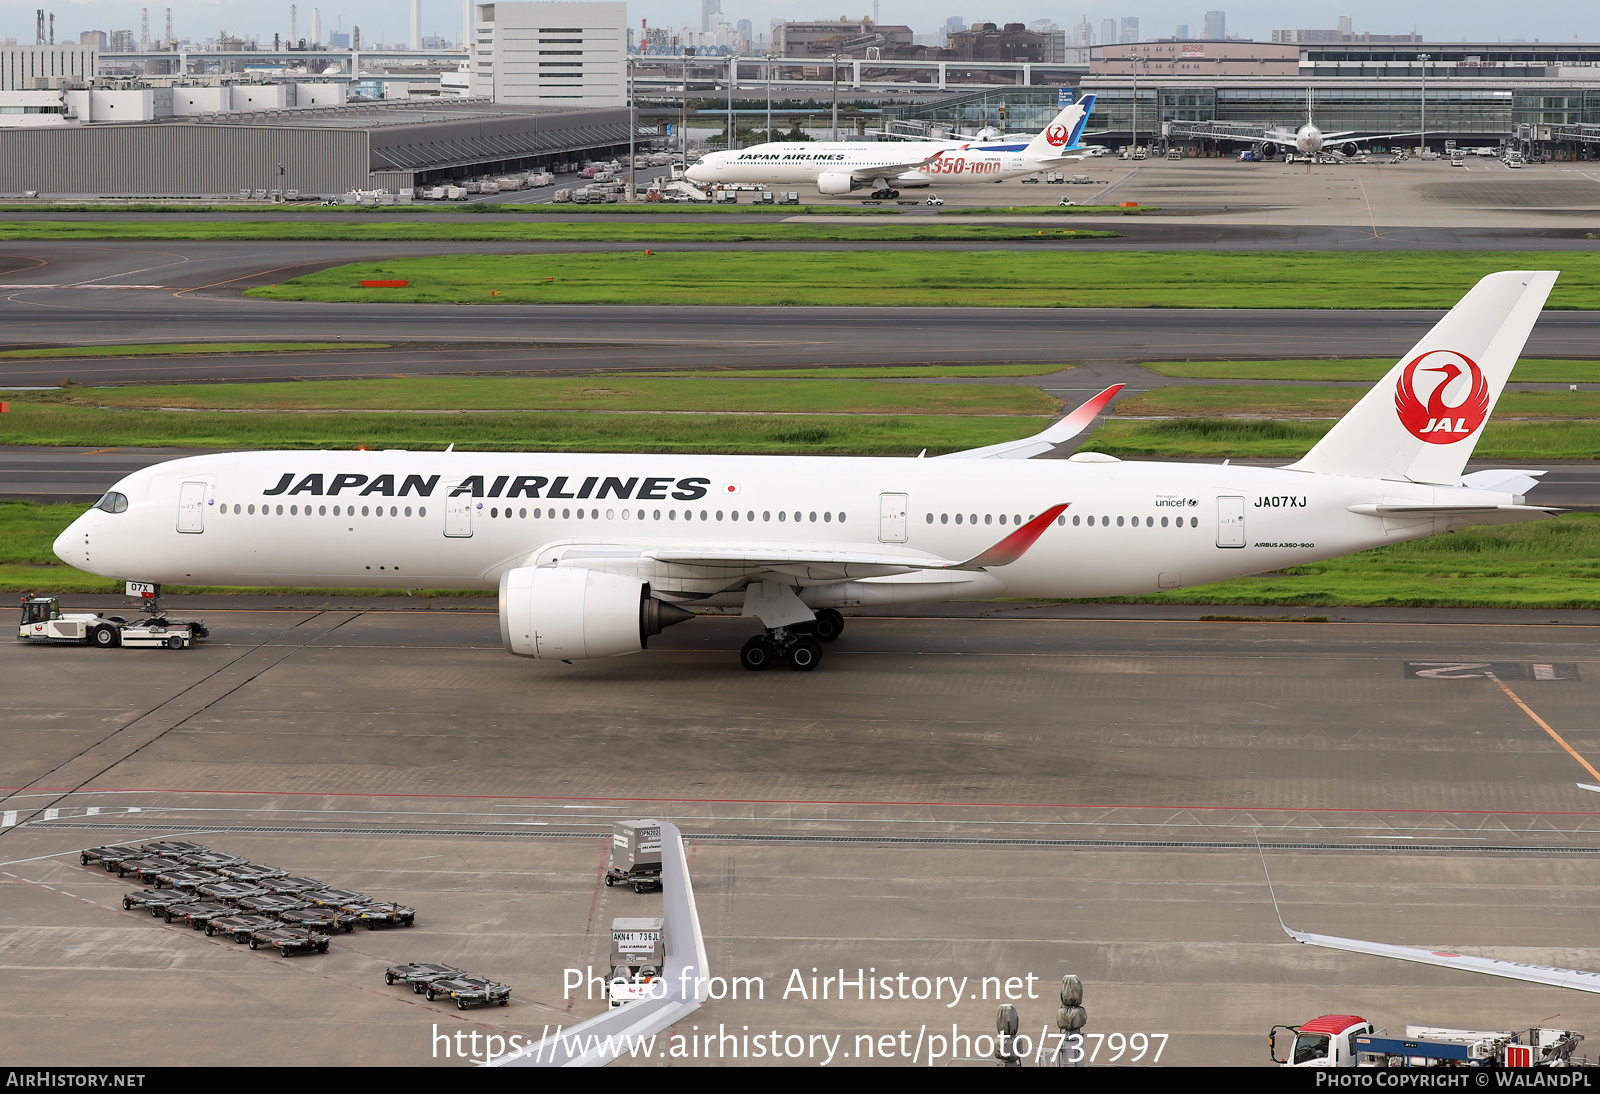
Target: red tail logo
(1426, 413)
(1057, 135)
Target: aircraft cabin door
(192, 507)
(891, 518)
(458, 517)
(1230, 522)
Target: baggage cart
(319, 919)
(250, 872)
(635, 855)
(420, 976)
(636, 944)
(288, 940)
(468, 990)
(198, 914)
(292, 886)
(146, 868)
(270, 904)
(335, 898)
(381, 914)
(172, 848)
(208, 860)
(108, 857)
(182, 878)
(239, 927)
(229, 892)
(155, 901)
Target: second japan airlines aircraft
(842, 167)
(592, 554)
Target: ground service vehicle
(43, 621)
(1348, 1040)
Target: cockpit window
(113, 502)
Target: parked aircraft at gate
(842, 167)
(592, 554)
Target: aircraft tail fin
(1064, 132)
(1421, 421)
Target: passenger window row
(322, 510)
(496, 513)
(1149, 522)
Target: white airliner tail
(1062, 134)
(1421, 421)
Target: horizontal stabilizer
(1448, 510)
(1505, 480)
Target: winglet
(1058, 433)
(1015, 545)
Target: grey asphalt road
(944, 797)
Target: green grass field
(1325, 402)
(538, 231)
(1127, 279)
(175, 349)
(535, 431)
(624, 392)
(1369, 370)
(1546, 564)
(1220, 438)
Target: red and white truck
(1348, 1040)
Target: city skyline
(388, 21)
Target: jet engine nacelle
(557, 613)
(835, 182)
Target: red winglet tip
(1014, 546)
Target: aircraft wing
(822, 564)
(1576, 979)
(685, 983)
(1028, 447)
(1004, 552)
(889, 170)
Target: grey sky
(389, 20)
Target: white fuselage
(461, 519)
(802, 162)
(1308, 139)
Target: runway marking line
(1544, 725)
(1251, 808)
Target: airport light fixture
(633, 128)
(683, 114)
(834, 57)
(769, 57)
(1422, 136)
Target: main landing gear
(885, 194)
(800, 645)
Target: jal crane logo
(1057, 135)
(1425, 411)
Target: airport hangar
(318, 152)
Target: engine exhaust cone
(657, 615)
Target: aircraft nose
(70, 538)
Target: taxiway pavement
(943, 797)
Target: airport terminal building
(1474, 93)
(319, 152)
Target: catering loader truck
(1348, 1040)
